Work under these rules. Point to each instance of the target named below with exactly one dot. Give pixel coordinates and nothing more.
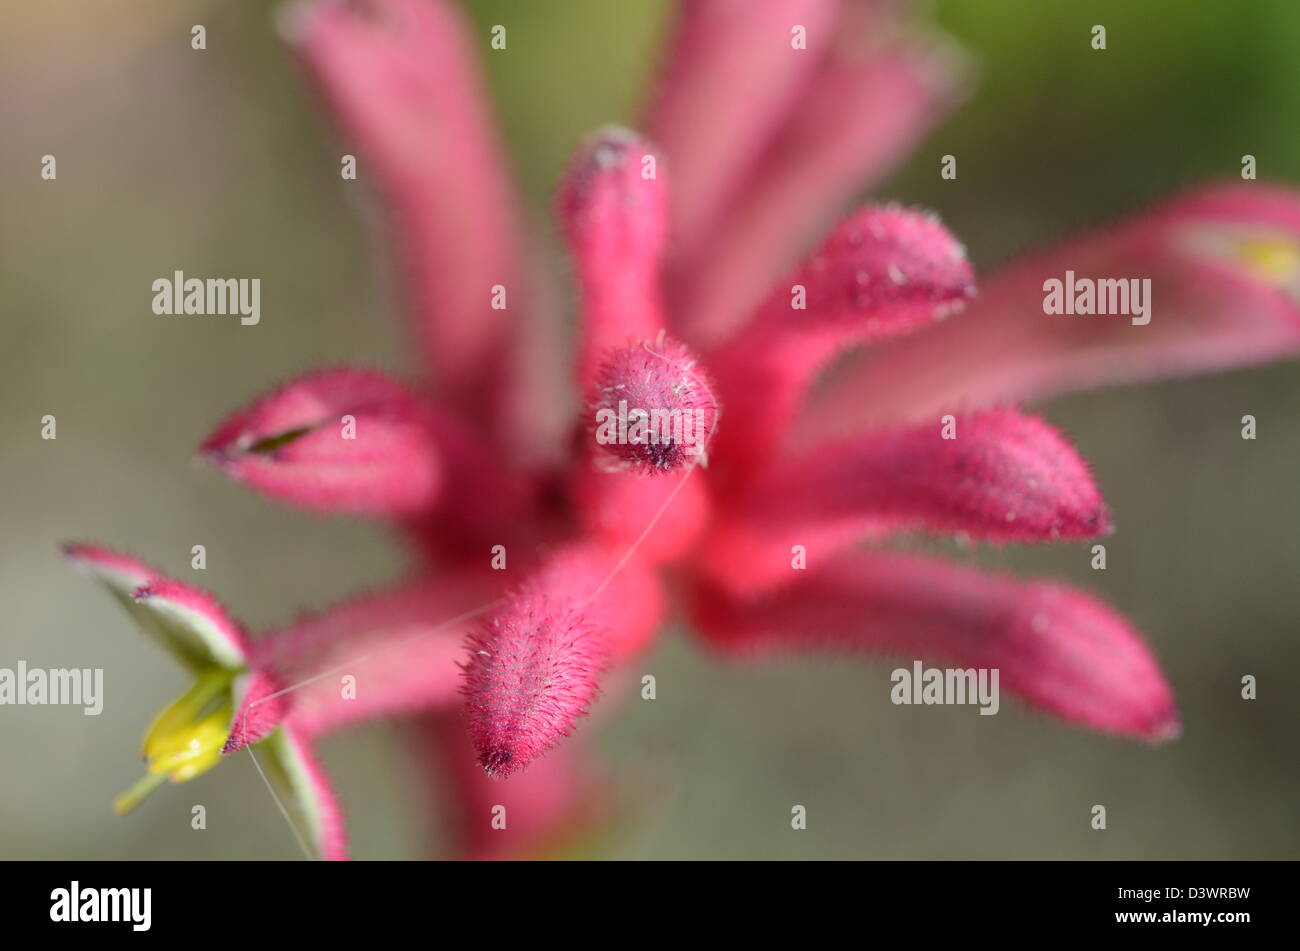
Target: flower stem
(137, 794)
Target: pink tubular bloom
(719, 104)
(544, 549)
(997, 476)
(864, 107)
(1060, 650)
(334, 440)
(1224, 266)
(533, 668)
(400, 649)
(401, 80)
(614, 208)
(883, 272)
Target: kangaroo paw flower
(771, 114)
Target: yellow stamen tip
(1274, 259)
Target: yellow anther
(192, 749)
(210, 690)
(184, 740)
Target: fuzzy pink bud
(614, 208)
(654, 406)
(533, 668)
(883, 272)
(1223, 262)
(1003, 477)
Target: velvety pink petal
(126, 571)
(534, 667)
(187, 607)
(187, 621)
(861, 113)
(883, 272)
(1224, 265)
(1005, 477)
(546, 807)
(295, 445)
(1059, 650)
(400, 78)
(290, 765)
(732, 72)
(260, 707)
(386, 654)
(615, 217)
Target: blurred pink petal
(334, 440)
(883, 272)
(1005, 477)
(1224, 264)
(546, 807)
(193, 608)
(384, 654)
(1059, 650)
(306, 792)
(534, 668)
(616, 222)
(731, 76)
(401, 80)
(259, 709)
(861, 114)
(663, 517)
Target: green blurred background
(219, 163)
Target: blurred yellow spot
(1274, 260)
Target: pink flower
(552, 524)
